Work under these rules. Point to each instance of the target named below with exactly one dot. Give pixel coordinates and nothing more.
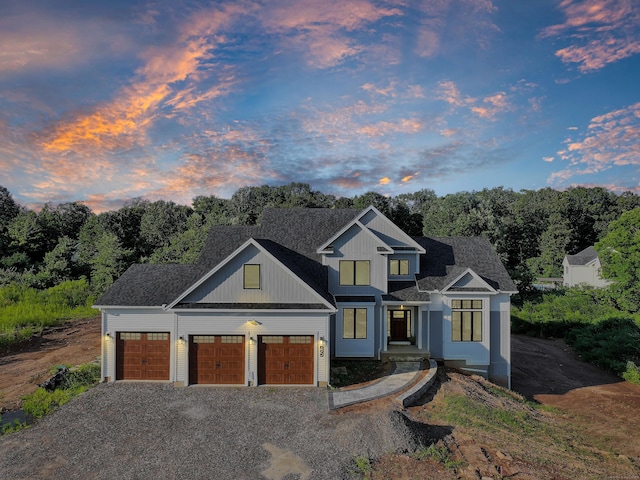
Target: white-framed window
(354, 323)
(355, 272)
(466, 320)
(251, 276)
(398, 266)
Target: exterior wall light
(255, 323)
(108, 334)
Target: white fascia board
(472, 273)
(412, 303)
(252, 311)
(406, 237)
(254, 243)
(324, 248)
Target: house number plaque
(321, 351)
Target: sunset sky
(102, 101)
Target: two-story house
(272, 303)
(583, 268)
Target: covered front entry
(142, 356)
(285, 360)
(216, 359)
(399, 324)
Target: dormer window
(251, 276)
(398, 267)
(355, 272)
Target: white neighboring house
(583, 268)
(274, 302)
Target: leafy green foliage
(43, 402)
(609, 343)
(619, 252)
(16, 426)
(632, 373)
(24, 310)
(596, 330)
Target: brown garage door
(142, 356)
(285, 360)
(216, 359)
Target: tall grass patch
(25, 311)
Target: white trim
(475, 276)
(355, 223)
(419, 248)
(251, 311)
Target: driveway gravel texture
(150, 430)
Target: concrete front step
(405, 354)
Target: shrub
(610, 343)
(43, 402)
(632, 373)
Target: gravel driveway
(138, 430)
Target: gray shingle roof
(582, 258)
(447, 258)
(293, 236)
(151, 285)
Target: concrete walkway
(405, 374)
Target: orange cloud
(381, 129)
(319, 27)
(611, 140)
(602, 32)
(384, 181)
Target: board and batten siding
(356, 347)
(386, 230)
(356, 244)
(277, 284)
(135, 320)
(500, 367)
(238, 323)
(473, 353)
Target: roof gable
(448, 259)
(584, 257)
(469, 281)
(203, 291)
(370, 219)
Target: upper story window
(355, 272)
(466, 320)
(251, 276)
(398, 267)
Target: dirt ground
(73, 343)
(548, 371)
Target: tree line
(531, 230)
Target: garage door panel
(143, 356)
(286, 360)
(216, 359)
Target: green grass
(437, 453)
(25, 311)
(462, 410)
